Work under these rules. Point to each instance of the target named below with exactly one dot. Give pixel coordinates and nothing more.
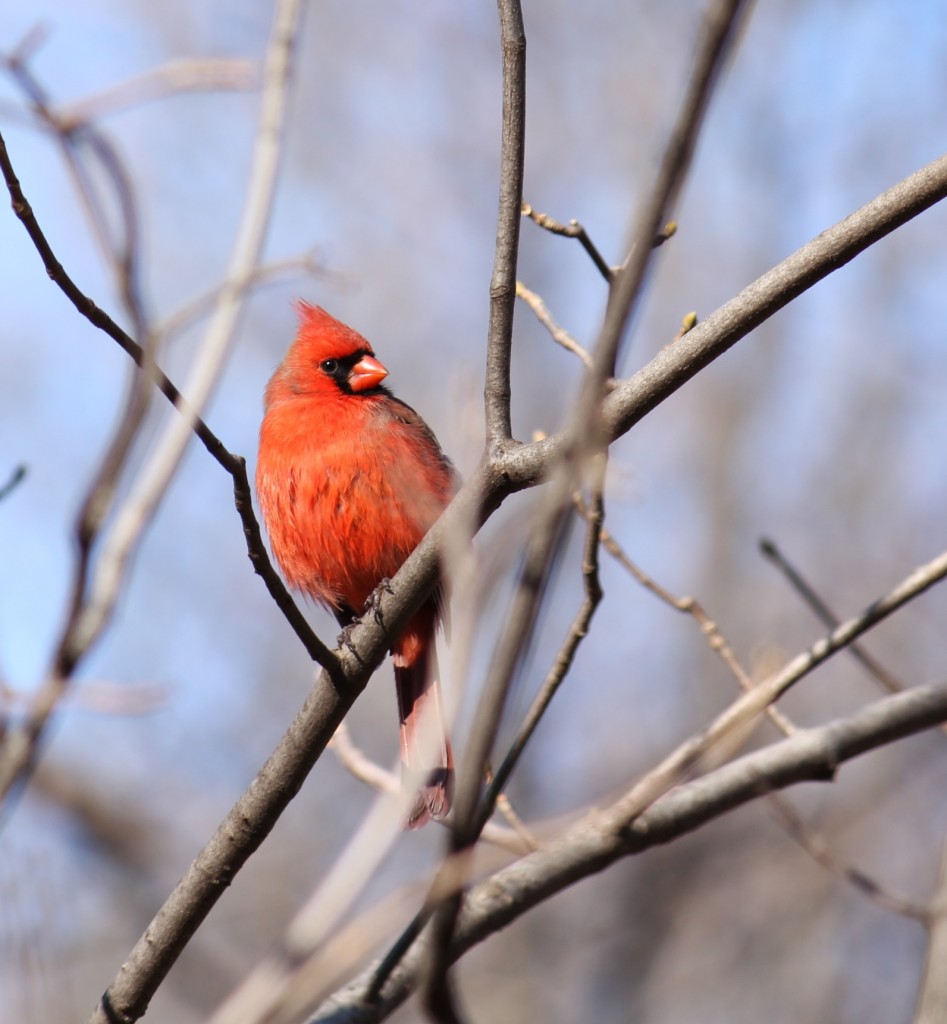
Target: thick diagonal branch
(810, 755)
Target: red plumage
(349, 480)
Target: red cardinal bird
(349, 480)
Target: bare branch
(575, 230)
(503, 282)
(572, 230)
(599, 840)
(178, 76)
(542, 551)
(818, 848)
(505, 806)
(16, 478)
(361, 767)
(20, 746)
(814, 843)
(827, 617)
(559, 335)
(75, 140)
(92, 604)
(689, 606)
(633, 398)
(743, 713)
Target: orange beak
(367, 373)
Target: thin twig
(571, 230)
(205, 74)
(812, 841)
(505, 807)
(87, 308)
(21, 744)
(362, 767)
(74, 139)
(575, 230)
(818, 848)
(90, 611)
(16, 477)
(827, 617)
(559, 334)
(672, 367)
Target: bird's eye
(329, 366)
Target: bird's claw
(345, 638)
(373, 601)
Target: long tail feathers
(425, 748)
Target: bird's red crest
(322, 336)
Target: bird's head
(328, 357)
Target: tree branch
(16, 478)
(572, 230)
(809, 755)
(827, 617)
(632, 399)
(503, 282)
(559, 334)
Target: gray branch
(596, 842)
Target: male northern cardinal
(349, 480)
